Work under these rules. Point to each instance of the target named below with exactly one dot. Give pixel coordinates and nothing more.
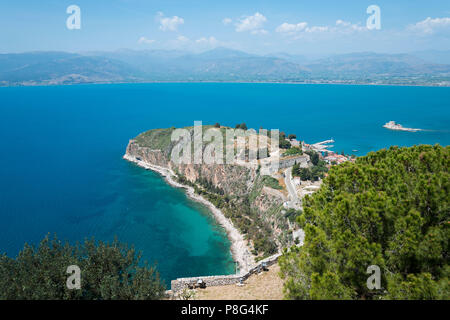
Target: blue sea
(61, 166)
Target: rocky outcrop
(231, 179)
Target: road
(293, 197)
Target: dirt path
(294, 200)
(264, 286)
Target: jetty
(322, 146)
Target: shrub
(108, 271)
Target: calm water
(61, 147)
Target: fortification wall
(223, 280)
(289, 162)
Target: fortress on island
(395, 126)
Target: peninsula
(256, 207)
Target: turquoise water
(61, 168)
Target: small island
(395, 126)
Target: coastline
(425, 85)
(239, 246)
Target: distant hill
(434, 56)
(62, 68)
(220, 64)
(374, 65)
(295, 58)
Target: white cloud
(342, 23)
(169, 23)
(346, 27)
(199, 44)
(431, 26)
(290, 28)
(144, 40)
(227, 21)
(182, 39)
(260, 31)
(317, 29)
(252, 24)
(297, 29)
(209, 41)
(179, 42)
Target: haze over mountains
(222, 64)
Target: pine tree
(391, 209)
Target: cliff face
(239, 191)
(232, 179)
(146, 154)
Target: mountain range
(222, 64)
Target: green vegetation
(315, 173)
(239, 210)
(293, 151)
(314, 156)
(271, 182)
(108, 271)
(284, 144)
(292, 214)
(292, 136)
(242, 126)
(156, 139)
(391, 209)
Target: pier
(322, 146)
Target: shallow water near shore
(61, 166)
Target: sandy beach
(239, 248)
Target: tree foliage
(389, 208)
(284, 144)
(242, 126)
(108, 271)
(314, 173)
(293, 151)
(314, 156)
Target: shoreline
(424, 85)
(239, 246)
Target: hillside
(221, 64)
(369, 67)
(62, 68)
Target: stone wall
(211, 281)
(289, 162)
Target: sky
(256, 26)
